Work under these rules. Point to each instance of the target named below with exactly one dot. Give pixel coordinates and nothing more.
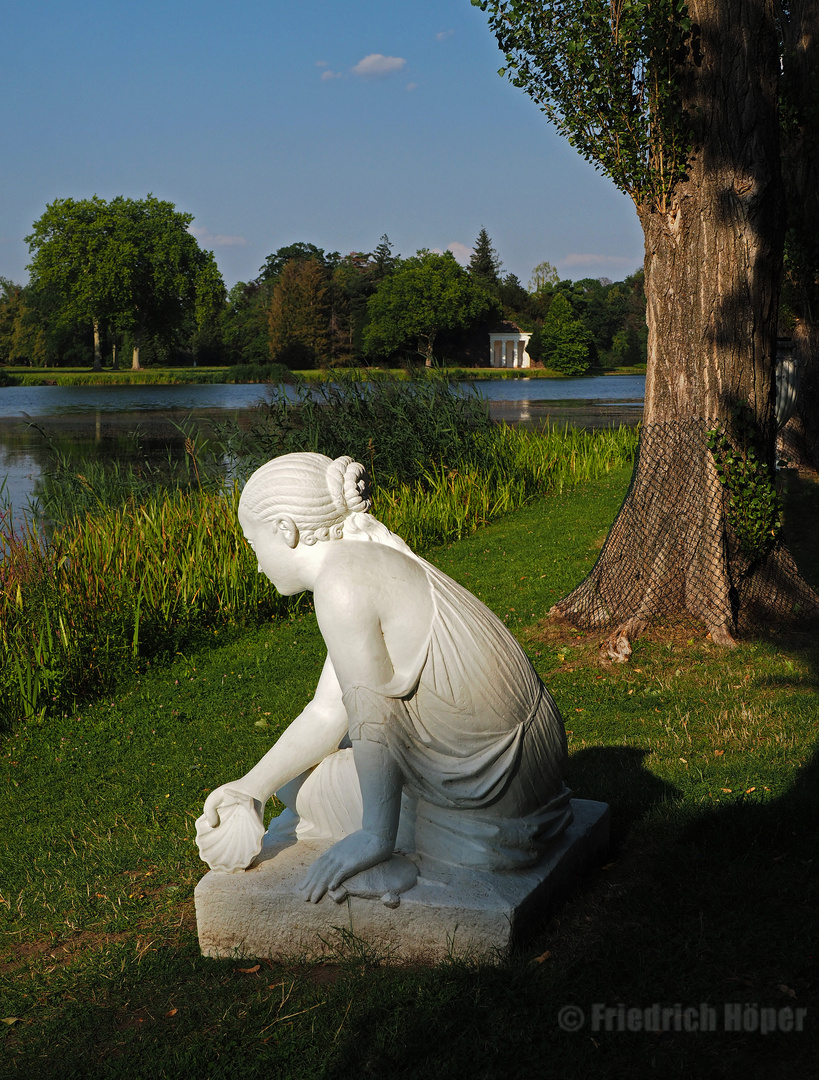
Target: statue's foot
(385, 881)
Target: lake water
(101, 418)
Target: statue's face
(275, 553)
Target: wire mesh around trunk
(671, 556)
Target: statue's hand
(230, 831)
(224, 796)
(354, 853)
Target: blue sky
(326, 121)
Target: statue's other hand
(354, 853)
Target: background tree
(484, 264)
(563, 342)
(244, 329)
(426, 294)
(543, 274)
(163, 276)
(383, 260)
(130, 264)
(679, 106)
(299, 252)
(75, 254)
(299, 315)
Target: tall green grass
(101, 596)
(115, 588)
(505, 469)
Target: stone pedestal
(259, 913)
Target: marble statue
(430, 737)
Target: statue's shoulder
(358, 574)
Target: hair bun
(356, 488)
(349, 486)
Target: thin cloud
(325, 75)
(442, 35)
(376, 65)
(462, 252)
(204, 236)
(412, 86)
(322, 63)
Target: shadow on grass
(616, 775)
(717, 906)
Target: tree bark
(712, 266)
(97, 348)
(429, 357)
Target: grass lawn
(709, 895)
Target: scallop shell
(237, 839)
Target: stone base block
(259, 913)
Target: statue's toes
(386, 879)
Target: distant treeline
(307, 308)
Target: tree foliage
(542, 275)
(299, 315)
(563, 342)
(299, 252)
(605, 72)
(130, 263)
(426, 294)
(484, 265)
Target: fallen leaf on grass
(172, 1012)
(727, 790)
(543, 956)
(250, 971)
(12, 1019)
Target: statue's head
(320, 495)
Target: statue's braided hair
(318, 493)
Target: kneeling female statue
(429, 733)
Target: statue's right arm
(315, 733)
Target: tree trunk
(429, 358)
(97, 348)
(712, 265)
(135, 355)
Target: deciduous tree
(76, 254)
(543, 274)
(679, 105)
(162, 274)
(130, 262)
(299, 315)
(428, 293)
